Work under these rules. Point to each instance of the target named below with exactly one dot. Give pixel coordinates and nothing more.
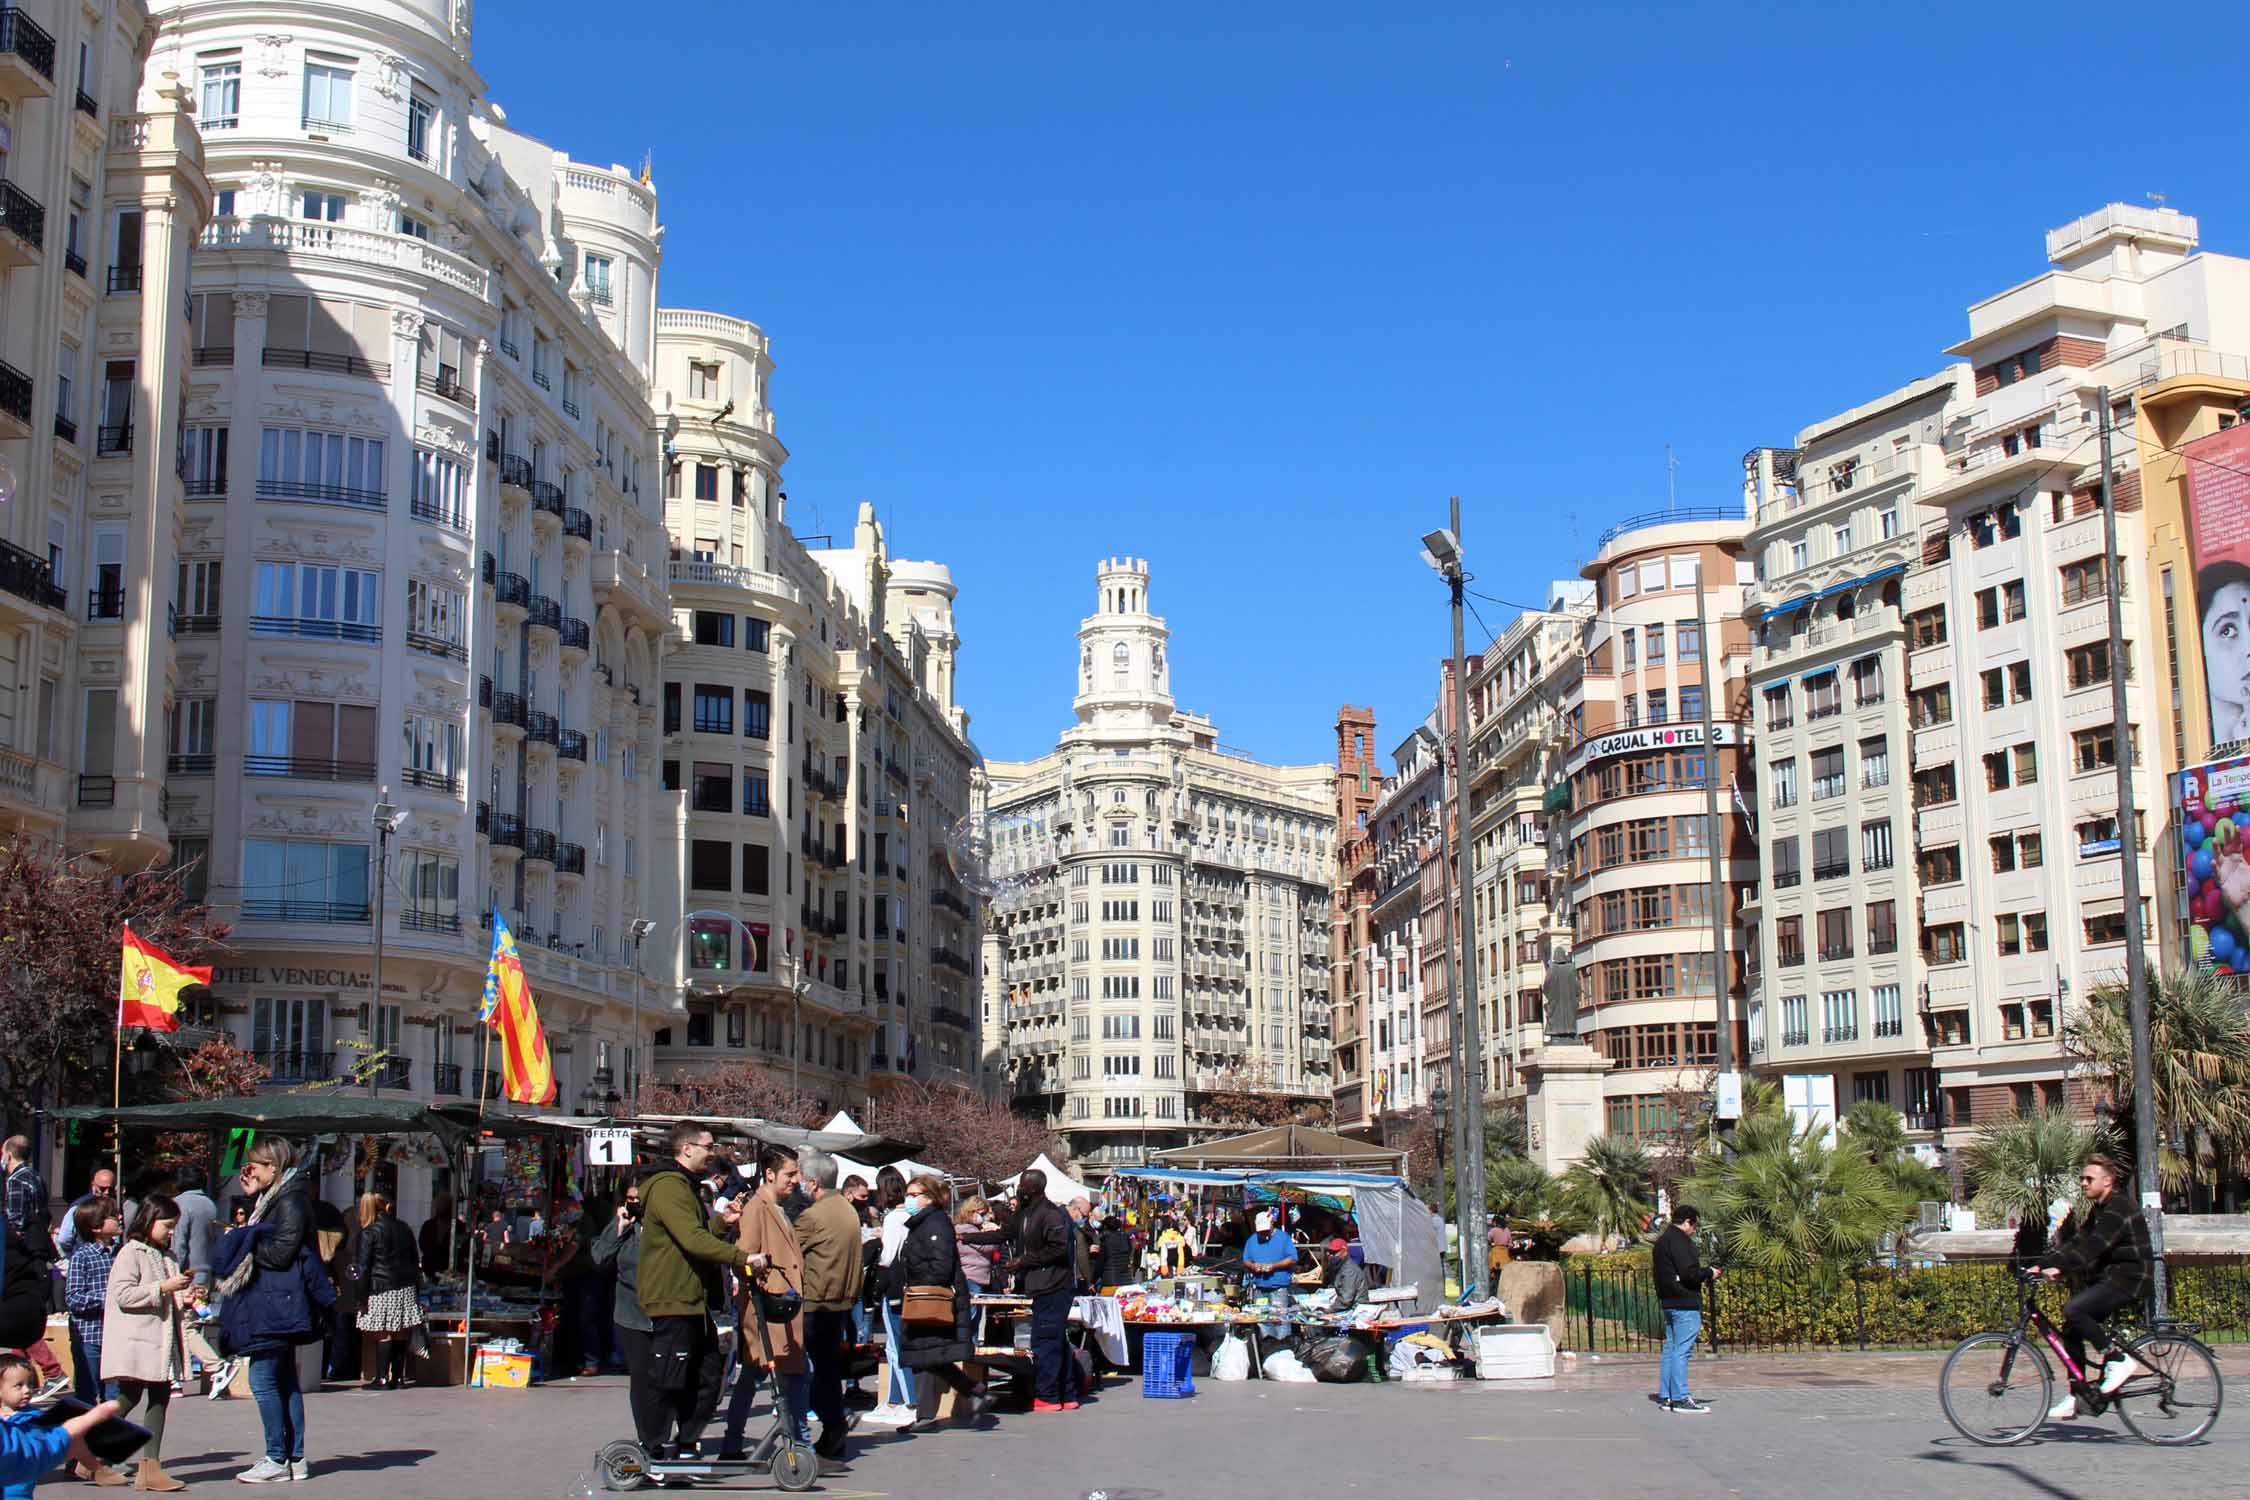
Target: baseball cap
(1264, 1221)
(1339, 1244)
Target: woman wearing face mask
(142, 1353)
(930, 1256)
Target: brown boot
(153, 1477)
(107, 1477)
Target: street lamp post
(1442, 551)
(797, 987)
(387, 818)
(638, 929)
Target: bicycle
(1997, 1386)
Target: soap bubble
(993, 854)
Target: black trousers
(1054, 1371)
(2083, 1317)
(688, 1369)
(825, 1355)
(652, 1414)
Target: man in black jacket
(1046, 1245)
(1680, 1279)
(2105, 1254)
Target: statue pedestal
(1563, 1102)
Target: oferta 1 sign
(2215, 855)
(1655, 737)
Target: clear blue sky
(1249, 289)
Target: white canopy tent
(844, 1124)
(1061, 1186)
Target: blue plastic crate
(1168, 1366)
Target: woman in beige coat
(141, 1347)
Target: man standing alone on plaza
(1680, 1279)
(829, 1234)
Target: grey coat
(621, 1247)
(195, 1238)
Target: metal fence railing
(1610, 1307)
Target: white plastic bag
(1232, 1360)
(1283, 1364)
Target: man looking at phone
(1680, 1278)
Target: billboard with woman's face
(2218, 488)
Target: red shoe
(1046, 1405)
(1070, 1406)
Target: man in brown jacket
(776, 1262)
(829, 1233)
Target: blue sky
(1250, 289)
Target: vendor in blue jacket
(1269, 1261)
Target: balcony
(15, 402)
(27, 58)
(26, 575)
(75, 264)
(431, 781)
(88, 105)
(512, 591)
(125, 279)
(570, 859)
(539, 844)
(507, 831)
(324, 362)
(510, 708)
(545, 613)
(515, 471)
(1835, 952)
(438, 646)
(297, 1067)
(414, 919)
(490, 1084)
(190, 765)
(291, 909)
(445, 1080)
(484, 819)
(488, 570)
(447, 383)
(391, 1073)
(946, 1015)
(543, 728)
(97, 791)
(312, 240)
(23, 226)
(577, 635)
(308, 768)
(578, 526)
(547, 499)
(316, 630)
(1832, 870)
(484, 692)
(572, 746)
(320, 494)
(113, 440)
(105, 604)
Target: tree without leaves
(962, 1131)
(62, 920)
(734, 1091)
(1248, 1097)
(216, 1069)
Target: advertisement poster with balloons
(2218, 486)
(2215, 838)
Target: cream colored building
(102, 194)
(1170, 932)
(813, 759)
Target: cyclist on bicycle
(2106, 1259)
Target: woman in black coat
(931, 1258)
(1115, 1264)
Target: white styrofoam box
(1515, 1351)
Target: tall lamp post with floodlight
(1442, 551)
(638, 930)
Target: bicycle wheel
(2180, 1400)
(1996, 1388)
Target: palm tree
(1783, 1199)
(1505, 1131)
(2199, 1055)
(2022, 1165)
(1608, 1187)
(1532, 1203)
(1878, 1132)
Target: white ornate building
(1170, 936)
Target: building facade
(1358, 780)
(1168, 938)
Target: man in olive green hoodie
(680, 1281)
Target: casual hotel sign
(1658, 737)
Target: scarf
(238, 1278)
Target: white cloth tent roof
(1061, 1186)
(844, 1124)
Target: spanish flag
(149, 982)
(527, 1073)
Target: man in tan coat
(776, 1262)
(829, 1232)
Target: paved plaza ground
(1789, 1427)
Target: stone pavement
(1787, 1427)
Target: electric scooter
(624, 1465)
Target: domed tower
(1124, 676)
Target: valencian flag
(149, 982)
(527, 1073)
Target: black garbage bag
(1336, 1359)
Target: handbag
(926, 1306)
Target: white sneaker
(2063, 1410)
(265, 1471)
(889, 1414)
(2115, 1374)
(299, 1469)
(224, 1378)
(57, 1385)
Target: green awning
(1557, 798)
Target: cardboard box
(507, 1372)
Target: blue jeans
(900, 1391)
(85, 1368)
(281, 1403)
(1680, 1330)
(799, 1388)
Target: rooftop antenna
(1671, 479)
(2157, 199)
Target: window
(757, 634)
(2092, 749)
(1691, 705)
(1875, 845)
(441, 488)
(1940, 865)
(1926, 627)
(302, 880)
(1886, 522)
(1831, 853)
(2106, 928)
(1782, 775)
(757, 714)
(328, 97)
(1931, 706)
(1822, 697)
(1783, 864)
(703, 382)
(1944, 944)
(421, 114)
(598, 269)
(2098, 836)
(1828, 773)
(413, 228)
(329, 468)
(1839, 1016)
(710, 865)
(1843, 538)
(2016, 766)
(1800, 555)
(1689, 634)
(222, 95)
(436, 753)
(707, 482)
(1867, 681)
(1882, 927)
(714, 709)
(437, 619)
(713, 628)
(1875, 762)
(317, 602)
(2007, 931)
(2088, 665)
(1778, 710)
(2003, 853)
(2084, 581)
(1789, 942)
(1835, 933)
(755, 794)
(755, 878)
(1935, 786)
(1793, 1021)
(311, 739)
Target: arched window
(1122, 658)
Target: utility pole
(1717, 836)
(386, 820)
(1442, 549)
(2145, 1143)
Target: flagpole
(117, 1074)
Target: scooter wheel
(795, 1467)
(623, 1466)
